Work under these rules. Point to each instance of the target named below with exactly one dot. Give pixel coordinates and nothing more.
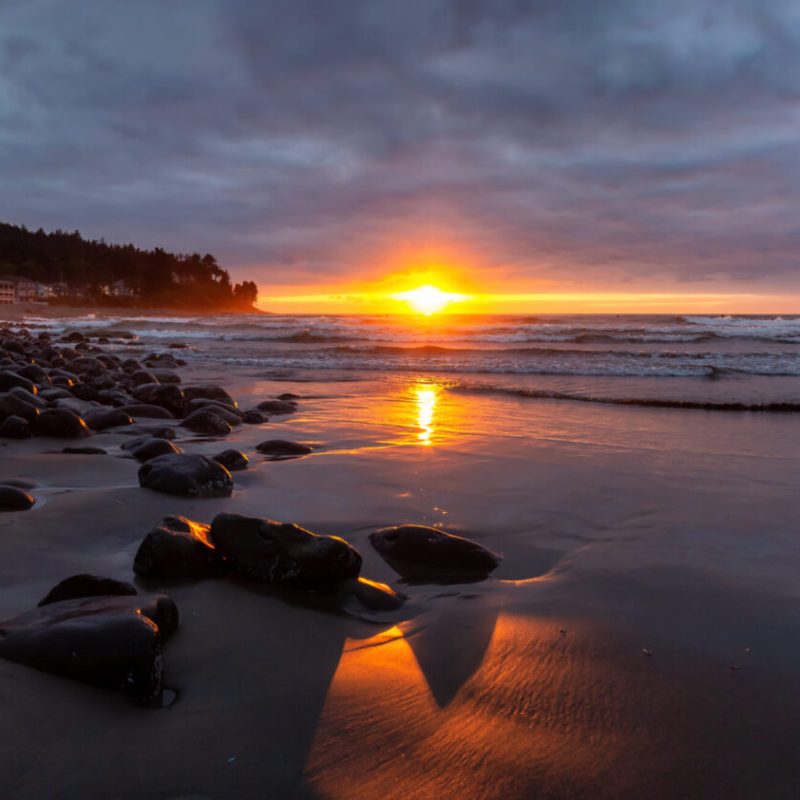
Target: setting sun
(428, 299)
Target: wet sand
(623, 530)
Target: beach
(637, 640)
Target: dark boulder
(84, 451)
(283, 554)
(86, 585)
(232, 460)
(11, 405)
(147, 411)
(360, 594)
(419, 552)
(209, 391)
(278, 407)
(175, 549)
(60, 423)
(103, 419)
(13, 498)
(15, 427)
(230, 414)
(8, 380)
(206, 421)
(112, 641)
(280, 448)
(166, 395)
(152, 448)
(254, 418)
(35, 373)
(187, 475)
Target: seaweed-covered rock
(284, 554)
(187, 475)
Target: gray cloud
(600, 142)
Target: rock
(206, 421)
(112, 641)
(8, 380)
(142, 376)
(360, 593)
(176, 549)
(187, 475)
(277, 407)
(73, 336)
(166, 395)
(209, 392)
(290, 396)
(166, 376)
(232, 460)
(55, 393)
(11, 405)
(148, 431)
(84, 451)
(14, 499)
(284, 554)
(146, 410)
(102, 419)
(254, 418)
(35, 373)
(231, 415)
(15, 427)
(152, 448)
(86, 585)
(280, 448)
(60, 423)
(416, 551)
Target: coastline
(532, 683)
(18, 311)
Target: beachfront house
(16, 289)
(8, 291)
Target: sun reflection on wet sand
(427, 397)
(517, 722)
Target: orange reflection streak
(528, 719)
(427, 397)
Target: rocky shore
(99, 630)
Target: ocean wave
(782, 407)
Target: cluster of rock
(100, 630)
(71, 388)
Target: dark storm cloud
(590, 140)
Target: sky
(551, 155)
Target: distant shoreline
(20, 310)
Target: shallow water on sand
(624, 530)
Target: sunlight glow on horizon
(428, 299)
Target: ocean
(729, 363)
